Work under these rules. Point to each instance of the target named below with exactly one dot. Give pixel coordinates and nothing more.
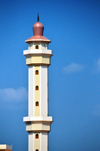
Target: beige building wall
(37, 92)
(37, 59)
(37, 142)
(34, 126)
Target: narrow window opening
(37, 87)
(36, 150)
(37, 136)
(36, 72)
(36, 47)
(37, 103)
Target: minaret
(38, 60)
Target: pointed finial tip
(38, 17)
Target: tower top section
(38, 29)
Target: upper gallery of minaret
(38, 45)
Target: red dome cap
(38, 33)
(38, 29)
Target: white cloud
(97, 66)
(73, 67)
(97, 110)
(11, 94)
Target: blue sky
(73, 26)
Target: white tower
(38, 60)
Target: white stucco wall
(31, 91)
(43, 141)
(43, 91)
(31, 142)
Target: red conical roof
(38, 34)
(38, 29)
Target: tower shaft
(38, 90)
(38, 58)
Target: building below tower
(5, 147)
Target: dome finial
(38, 17)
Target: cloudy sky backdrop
(73, 26)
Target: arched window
(37, 136)
(37, 87)
(36, 72)
(36, 47)
(36, 150)
(37, 103)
